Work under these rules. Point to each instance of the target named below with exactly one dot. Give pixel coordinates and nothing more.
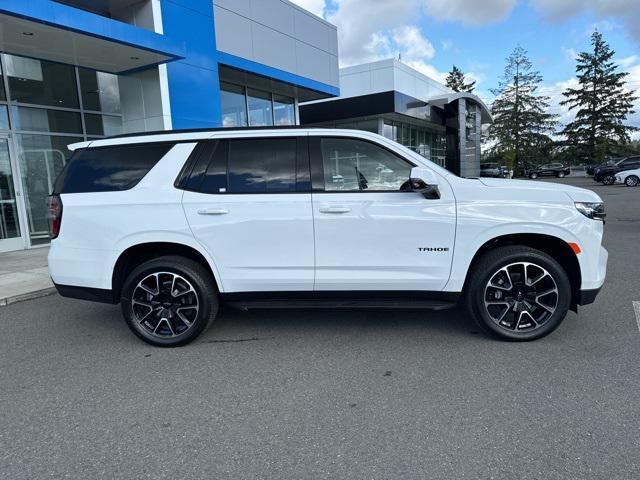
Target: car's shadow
(233, 325)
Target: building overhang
(441, 100)
(308, 89)
(52, 31)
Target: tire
(608, 179)
(156, 313)
(631, 181)
(533, 176)
(560, 174)
(504, 315)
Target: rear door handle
(213, 211)
(335, 209)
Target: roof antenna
(399, 56)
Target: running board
(341, 300)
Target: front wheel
(533, 176)
(518, 293)
(608, 180)
(169, 301)
(631, 181)
(561, 174)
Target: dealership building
(75, 70)
(394, 100)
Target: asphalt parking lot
(316, 394)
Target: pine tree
(601, 101)
(520, 119)
(456, 81)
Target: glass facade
(45, 106)
(242, 106)
(429, 143)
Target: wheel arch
(553, 246)
(139, 253)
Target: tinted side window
(262, 166)
(108, 169)
(355, 165)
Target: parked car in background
(607, 175)
(549, 170)
(591, 169)
(631, 178)
(493, 170)
(171, 225)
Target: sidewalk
(24, 275)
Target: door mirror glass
(424, 181)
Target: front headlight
(593, 210)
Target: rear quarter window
(109, 169)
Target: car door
(370, 234)
(248, 202)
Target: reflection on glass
(260, 110)
(44, 120)
(233, 104)
(284, 110)
(100, 91)
(41, 158)
(4, 118)
(355, 165)
(41, 82)
(102, 124)
(9, 226)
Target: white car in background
(631, 178)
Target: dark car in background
(549, 170)
(591, 169)
(607, 174)
(493, 170)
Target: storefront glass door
(11, 233)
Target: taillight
(55, 215)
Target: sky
(477, 36)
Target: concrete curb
(27, 296)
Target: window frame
(303, 181)
(317, 164)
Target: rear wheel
(631, 181)
(518, 293)
(169, 301)
(608, 180)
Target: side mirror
(424, 181)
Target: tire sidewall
(488, 270)
(207, 304)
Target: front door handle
(213, 211)
(335, 209)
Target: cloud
(317, 7)
(469, 12)
(626, 12)
(364, 26)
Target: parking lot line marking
(636, 307)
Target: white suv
(172, 225)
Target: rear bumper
(588, 296)
(86, 293)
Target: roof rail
(212, 130)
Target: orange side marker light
(575, 247)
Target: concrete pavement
(24, 275)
